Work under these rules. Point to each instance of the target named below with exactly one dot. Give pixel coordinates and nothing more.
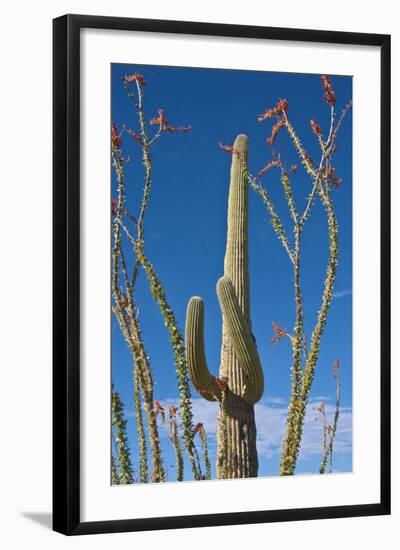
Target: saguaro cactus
(240, 383)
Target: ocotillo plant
(240, 383)
(323, 179)
(114, 472)
(121, 466)
(332, 433)
(199, 428)
(124, 307)
(173, 435)
(126, 313)
(329, 430)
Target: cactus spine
(240, 383)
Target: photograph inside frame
(231, 274)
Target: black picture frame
(66, 272)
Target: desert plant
(332, 434)
(124, 306)
(329, 430)
(325, 434)
(143, 465)
(114, 472)
(199, 428)
(126, 313)
(240, 383)
(304, 359)
(240, 380)
(121, 466)
(173, 435)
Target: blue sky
(185, 232)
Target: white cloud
(271, 426)
(275, 401)
(271, 429)
(271, 414)
(341, 293)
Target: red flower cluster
(159, 410)
(221, 383)
(116, 140)
(271, 164)
(114, 211)
(329, 95)
(114, 204)
(172, 411)
(135, 77)
(320, 408)
(315, 127)
(275, 130)
(177, 128)
(134, 135)
(337, 182)
(280, 107)
(279, 333)
(228, 148)
(198, 427)
(162, 121)
(293, 169)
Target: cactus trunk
(240, 382)
(236, 422)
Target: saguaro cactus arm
(201, 377)
(242, 340)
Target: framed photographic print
(221, 274)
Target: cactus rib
(201, 377)
(242, 340)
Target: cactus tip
(196, 301)
(241, 143)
